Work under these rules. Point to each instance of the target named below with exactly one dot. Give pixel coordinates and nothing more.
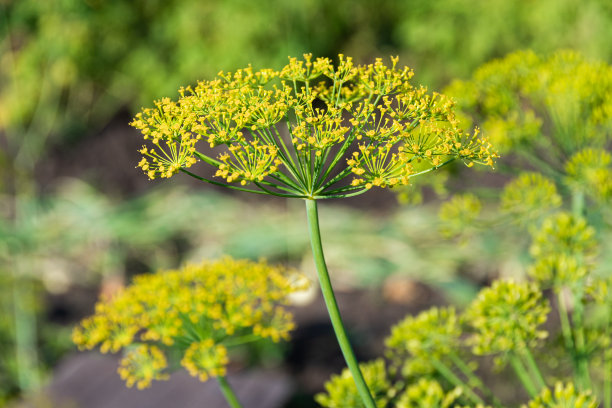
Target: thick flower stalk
(311, 130)
(200, 311)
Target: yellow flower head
(300, 131)
(200, 309)
(506, 317)
(554, 105)
(563, 395)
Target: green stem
(25, 337)
(228, 393)
(523, 375)
(240, 340)
(578, 203)
(608, 368)
(578, 209)
(473, 378)
(456, 381)
(533, 367)
(332, 305)
(581, 354)
(363, 190)
(565, 324)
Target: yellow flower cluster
(141, 365)
(173, 132)
(428, 393)
(459, 215)
(564, 251)
(201, 308)
(564, 395)
(590, 171)
(341, 391)
(554, 105)
(433, 333)
(529, 196)
(506, 318)
(205, 359)
(328, 111)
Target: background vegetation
(71, 71)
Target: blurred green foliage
(433, 354)
(68, 66)
(80, 61)
(78, 237)
(551, 117)
(449, 39)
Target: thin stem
(578, 203)
(260, 185)
(473, 378)
(341, 190)
(565, 324)
(434, 167)
(578, 209)
(282, 178)
(335, 179)
(523, 375)
(25, 333)
(568, 337)
(581, 354)
(287, 158)
(533, 367)
(221, 184)
(332, 305)
(364, 190)
(207, 159)
(228, 393)
(608, 367)
(248, 338)
(348, 141)
(456, 381)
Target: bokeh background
(77, 218)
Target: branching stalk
(565, 325)
(523, 375)
(473, 378)
(451, 377)
(533, 368)
(581, 355)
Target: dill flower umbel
(433, 333)
(311, 130)
(200, 310)
(554, 105)
(564, 249)
(590, 171)
(529, 195)
(564, 395)
(340, 390)
(428, 393)
(506, 318)
(299, 131)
